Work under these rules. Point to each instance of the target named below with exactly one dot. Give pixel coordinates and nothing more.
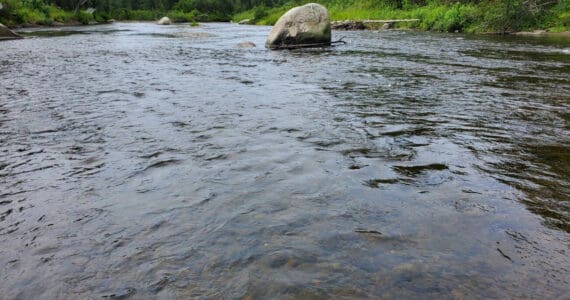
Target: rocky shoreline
(389, 24)
(7, 34)
(542, 33)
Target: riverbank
(496, 17)
(502, 17)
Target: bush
(144, 15)
(57, 14)
(259, 13)
(180, 16)
(7, 11)
(565, 19)
(119, 14)
(101, 17)
(248, 14)
(84, 17)
(26, 15)
(458, 18)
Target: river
(167, 162)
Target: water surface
(149, 161)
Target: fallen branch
(316, 45)
(368, 231)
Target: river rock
(532, 33)
(246, 45)
(348, 25)
(244, 22)
(387, 25)
(302, 25)
(7, 34)
(164, 21)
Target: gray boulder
(164, 21)
(7, 34)
(301, 26)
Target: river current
(149, 161)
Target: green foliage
(184, 6)
(57, 14)
(498, 16)
(7, 11)
(143, 15)
(180, 16)
(260, 12)
(446, 18)
(84, 17)
(27, 15)
(209, 10)
(565, 19)
(248, 14)
(102, 17)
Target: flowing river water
(167, 162)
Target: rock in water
(7, 34)
(164, 21)
(302, 25)
(246, 45)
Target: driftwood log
(314, 45)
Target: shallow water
(145, 161)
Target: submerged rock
(164, 21)
(7, 34)
(246, 45)
(301, 26)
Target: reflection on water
(165, 161)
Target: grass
(435, 15)
(490, 16)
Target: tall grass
(438, 15)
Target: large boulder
(164, 21)
(301, 26)
(7, 34)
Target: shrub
(144, 15)
(243, 15)
(565, 19)
(8, 9)
(259, 13)
(180, 16)
(101, 16)
(84, 17)
(458, 17)
(30, 16)
(57, 14)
